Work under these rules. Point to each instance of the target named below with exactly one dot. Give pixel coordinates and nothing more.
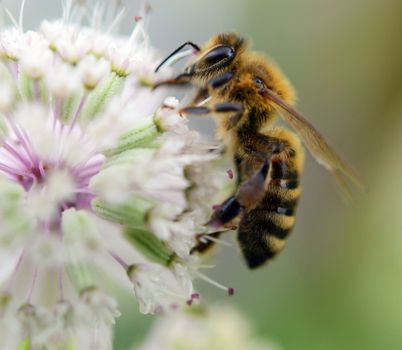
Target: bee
(245, 92)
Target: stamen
(18, 156)
(31, 288)
(83, 191)
(60, 281)
(10, 16)
(41, 169)
(119, 260)
(206, 266)
(138, 30)
(36, 91)
(217, 240)
(89, 170)
(209, 280)
(78, 112)
(21, 17)
(98, 12)
(60, 271)
(67, 5)
(29, 148)
(60, 146)
(88, 173)
(13, 67)
(116, 21)
(173, 294)
(13, 171)
(20, 136)
(56, 112)
(15, 272)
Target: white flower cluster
(220, 327)
(95, 181)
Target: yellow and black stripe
(263, 230)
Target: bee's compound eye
(219, 54)
(259, 83)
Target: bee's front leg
(223, 107)
(181, 80)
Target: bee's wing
(316, 144)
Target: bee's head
(219, 54)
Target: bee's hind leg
(248, 196)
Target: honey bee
(245, 92)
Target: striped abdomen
(263, 230)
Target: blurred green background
(338, 284)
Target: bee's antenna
(194, 46)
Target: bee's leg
(208, 240)
(223, 107)
(200, 96)
(220, 80)
(279, 151)
(252, 191)
(195, 47)
(248, 196)
(180, 80)
(227, 211)
(184, 79)
(204, 244)
(203, 93)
